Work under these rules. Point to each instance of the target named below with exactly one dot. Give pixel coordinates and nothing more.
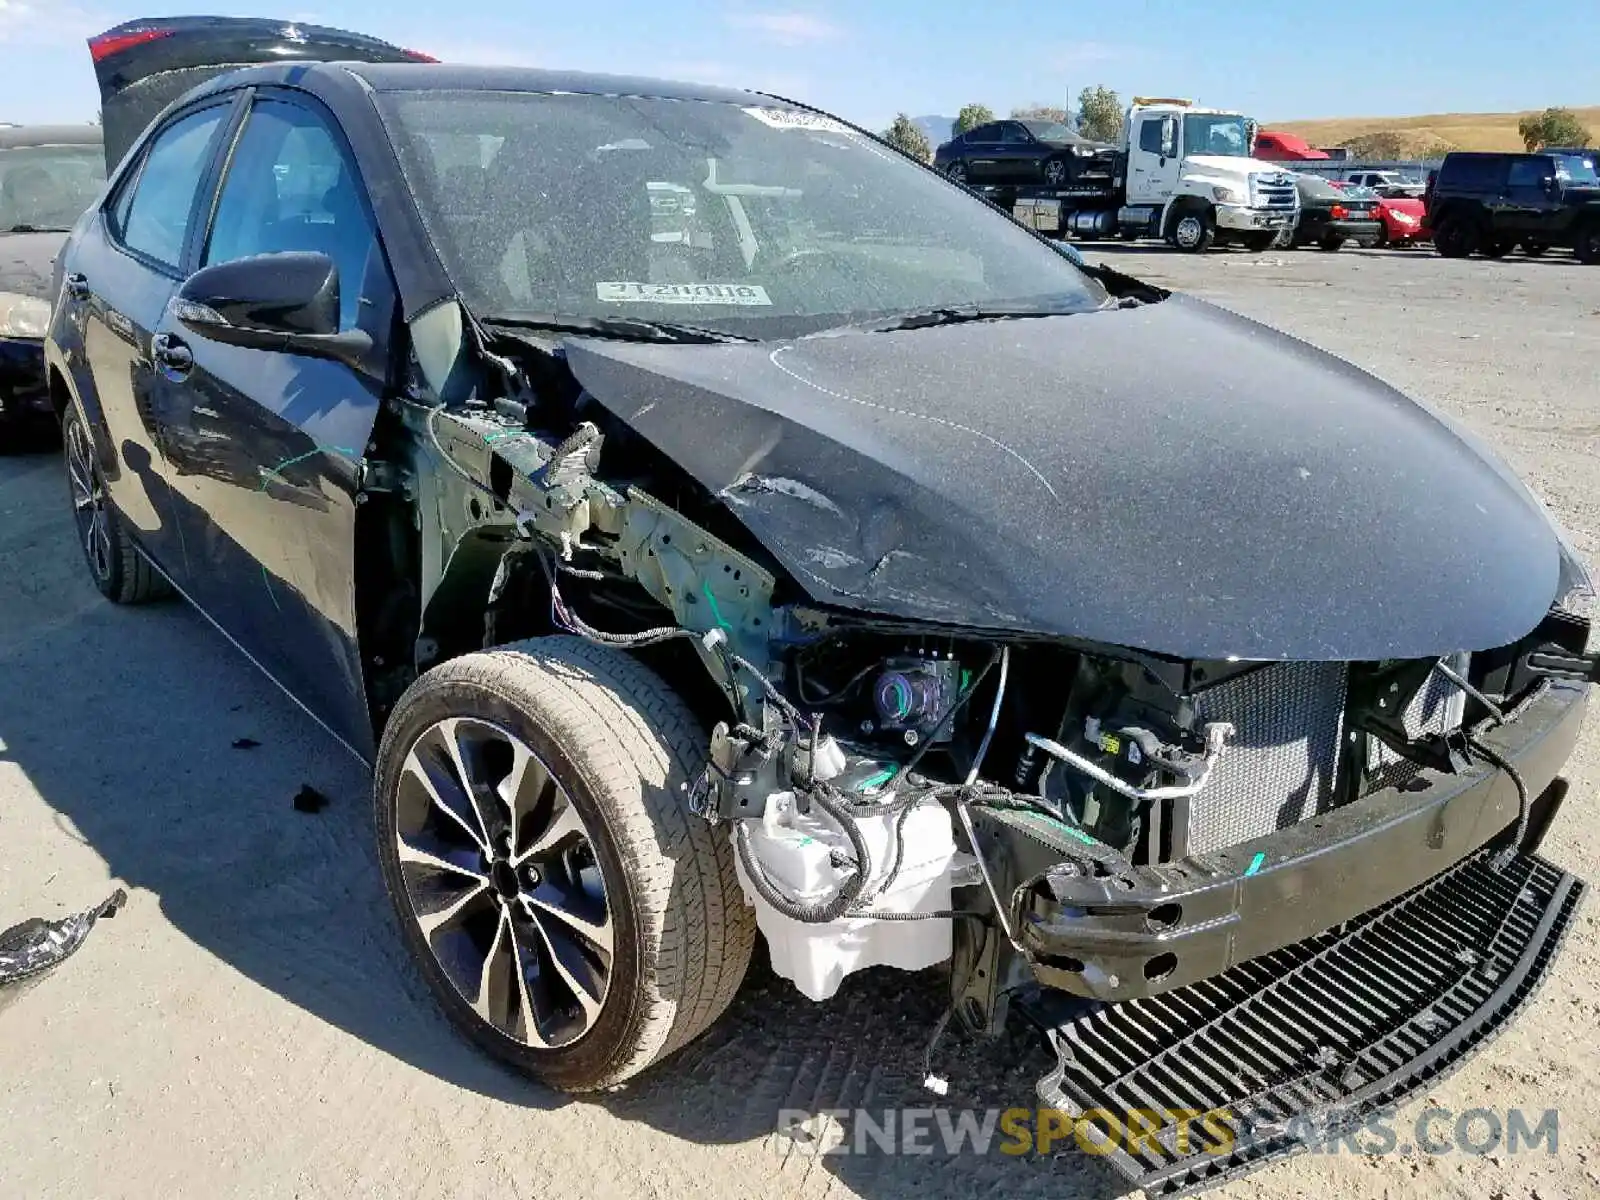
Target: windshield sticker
(682, 293)
(783, 118)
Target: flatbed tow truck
(1183, 174)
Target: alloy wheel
(1189, 231)
(1055, 172)
(500, 870)
(88, 501)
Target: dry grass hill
(1426, 135)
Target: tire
(620, 748)
(1497, 247)
(1330, 242)
(1256, 243)
(957, 170)
(1587, 247)
(1056, 172)
(1381, 242)
(1455, 237)
(122, 574)
(1193, 230)
(1535, 249)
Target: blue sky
(868, 59)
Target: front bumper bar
(1155, 928)
(1242, 217)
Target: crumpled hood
(26, 262)
(1170, 477)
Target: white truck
(1183, 174)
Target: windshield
(48, 187)
(1049, 131)
(1216, 133)
(1578, 169)
(760, 222)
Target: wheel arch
(1178, 206)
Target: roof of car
(452, 77)
(16, 136)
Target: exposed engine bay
(1035, 810)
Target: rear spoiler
(142, 66)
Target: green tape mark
(966, 678)
(1255, 864)
(267, 473)
(492, 438)
(267, 580)
(874, 781)
(715, 611)
(1071, 832)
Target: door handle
(78, 286)
(172, 357)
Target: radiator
(1281, 765)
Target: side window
(1484, 173)
(152, 217)
(1013, 134)
(1150, 135)
(1529, 172)
(982, 134)
(290, 187)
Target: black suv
(1489, 203)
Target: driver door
(1155, 162)
(267, 446)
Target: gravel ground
(249, 1026)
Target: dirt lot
(250, 1027)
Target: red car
(1405, 221)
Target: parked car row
(1484, 203)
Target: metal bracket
(1559, 664)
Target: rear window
(1318, 189)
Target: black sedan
(774, 572)
(1025, 151)
(1330, 216)
(48, 175)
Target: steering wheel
(811, 255)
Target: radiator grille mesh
(1281, 765)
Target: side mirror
(285, 302)
(1550, 184)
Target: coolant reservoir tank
(803, 854)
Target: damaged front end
(1077, 828)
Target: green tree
(971, 116)
(1042, 112)
(1100, 114)
(905, 136)
(1552, 127)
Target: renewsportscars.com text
(1018, 1131)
